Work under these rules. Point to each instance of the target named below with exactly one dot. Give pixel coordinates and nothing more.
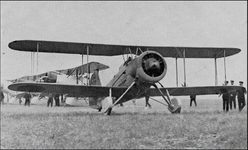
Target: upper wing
(74, 90)
(83, 68)
(201, 90)
(111, 50)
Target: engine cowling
(150, 67)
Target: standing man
(193, 98)
(62, 99)
(241, 96)
(50, 100)
(225, 97)
(56, 98)
(27, 97)
(29, 100)
(147, 102)
(233, 97)
(2, 96)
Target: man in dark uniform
(50, 100)
(147, 102)
(241, 96)
(56, 98)
(2, 96)
(233, 97)
(27, 97)
(225, 97)
(192, 98)
(62, 98)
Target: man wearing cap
(192, 99)
(56, 98)
(241, 96)
(147, 103)
(233, 97)
(225, 97)
(50, 100)
(27, 97)
(1, 96)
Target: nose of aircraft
(152, 64)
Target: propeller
(153, 65)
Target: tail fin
(95, 79)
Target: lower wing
(200, 90)
(71, 90)
(103, 91)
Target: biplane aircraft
(61, 76)
(54, 76)
(136, 76)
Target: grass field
(205, 126)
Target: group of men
(27, 97)
(229, 99)
(50, 99)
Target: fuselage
(145, 70)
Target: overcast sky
(161, 23)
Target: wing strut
(225, 63)
(184, 68)
(32, 63)
(82, 70)
(37, 56)
(108, 111)
(176, 73)
(180, 56)
(215, 64)
(76, 76)
(88, 47)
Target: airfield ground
(205, 126)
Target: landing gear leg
(108, 111)
(174, 105)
